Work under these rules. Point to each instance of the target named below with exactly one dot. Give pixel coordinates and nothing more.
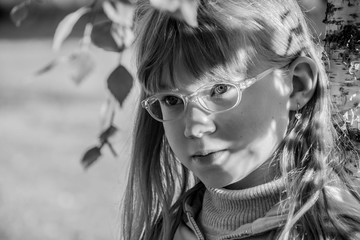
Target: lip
(210, 157)
(204, 153)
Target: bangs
(209, 51)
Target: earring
(298, 114)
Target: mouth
(209, 156)
(204, 153)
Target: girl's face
(227, 149)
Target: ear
(304, 76)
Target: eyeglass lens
(216, 98)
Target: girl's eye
(171, 100)
(219, 89)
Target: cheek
(174, 134)
(243, 126)
(256, 117)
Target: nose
(198, 122)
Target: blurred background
(47, 123)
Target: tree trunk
(342, 45)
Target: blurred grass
(46, 124)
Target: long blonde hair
(273, 30)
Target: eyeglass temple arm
(248, 82)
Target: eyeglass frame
(240, 87)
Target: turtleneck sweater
(223, 211)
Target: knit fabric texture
(224, 211)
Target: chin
(215, 182)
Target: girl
(234, 138)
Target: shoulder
(188, 202)
(341, 201)
(343, 198)
(342, 208)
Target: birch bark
(342, 45)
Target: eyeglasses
(215, 98)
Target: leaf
(115, 34)
(110, 10)
(120, 12)
(189, 12)
(130, 2)
(166, 5)
(185, 10)
(19, 13)
(66, 25)
(82, 64)
(105, 135)
(101, 37)
(51, 65)
(107, 112)
(120, 83)
(91, 156)
(47, 67)
(123, 36)
(86, 39)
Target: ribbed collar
(224, 211)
